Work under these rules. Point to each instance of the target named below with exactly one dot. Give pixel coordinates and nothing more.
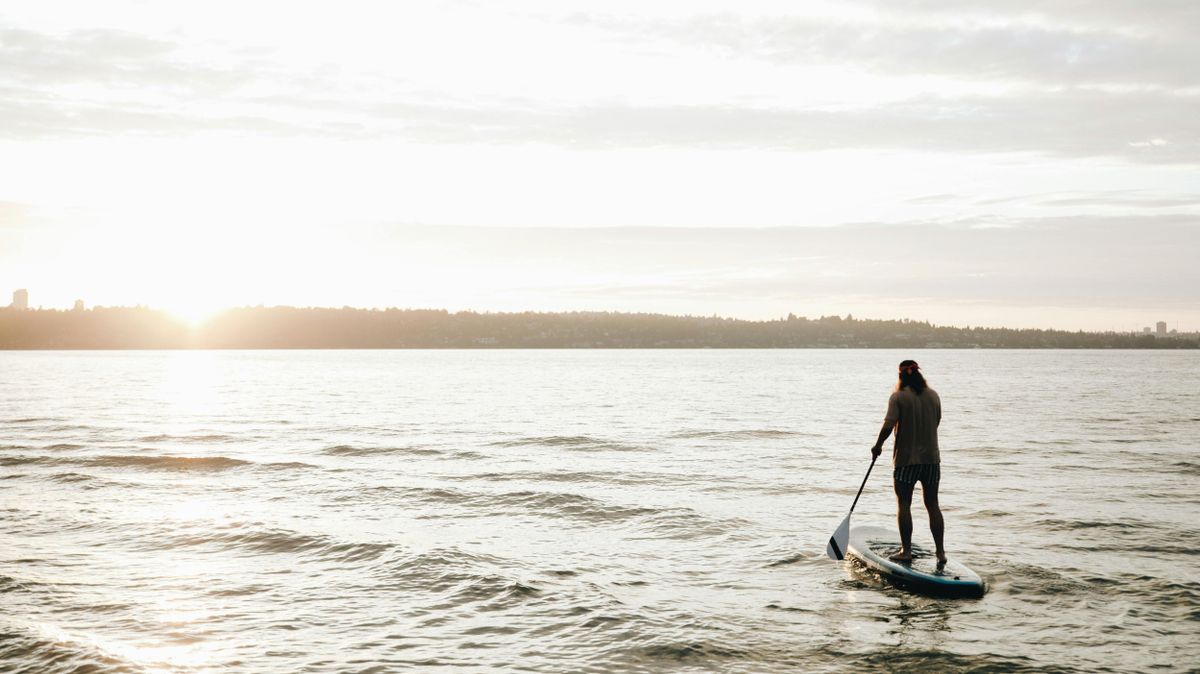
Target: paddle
(841, 536)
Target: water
(573, 511)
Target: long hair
(911, 377)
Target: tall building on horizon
(1161, 328)
(20, 299)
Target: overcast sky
(1003, 162)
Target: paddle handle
(864, 484)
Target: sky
(1022, 163)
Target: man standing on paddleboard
(914, 411)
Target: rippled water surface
(555, 511)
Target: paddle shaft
(864, 484)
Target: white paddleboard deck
(870, 546)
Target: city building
(78, 305)
(1146, 331)
(20, 299)
(1161, 328)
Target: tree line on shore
(324, 328)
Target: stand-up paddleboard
(871, 546)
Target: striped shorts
(928, 474)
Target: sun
(194, 314)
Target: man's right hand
(876, 451)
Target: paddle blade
(838, 541)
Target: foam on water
(583, 511)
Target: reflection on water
(582, 511)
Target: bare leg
(904, 494)
(936, 525)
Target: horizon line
(210, 316)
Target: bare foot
(941, 560)
(901, 556)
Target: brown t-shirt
(916, 418)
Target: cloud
(1117, 79)
(149, 88)
(104, 57)
(1008, 46)
(933, 199)
(1125, 199)
(1136, 199)
(1131, 262)
(1069, 124)
(1161, 16)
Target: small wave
(22, 460)
(1075, 525)
(430, 495)
(286, 465)
(10, 584)
(63, 447)
(602, 477)
(687, 524)
(689, 652)
(573, 442)
(906, 660)
(157, 462)
(794, 559)
(72, 477)
(1186, 467)
(1164, 600)
(1038, 583)
(48, 649)
(242, 591)
(351, 450)
(460, 578)
(572, 505)
(282, 541)
(87, 482)
(497, 590)
(486, 504)
(31, 420)
(1134, 548)
(206, 437)
(198, 463)
(989, 513)
(437, 570)
(1151, 590)
(743, 434)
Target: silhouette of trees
(322, 328)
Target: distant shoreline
(261, 328)
(115, 349)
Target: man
(914, 412)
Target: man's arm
(883, 435)
(889, 423)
